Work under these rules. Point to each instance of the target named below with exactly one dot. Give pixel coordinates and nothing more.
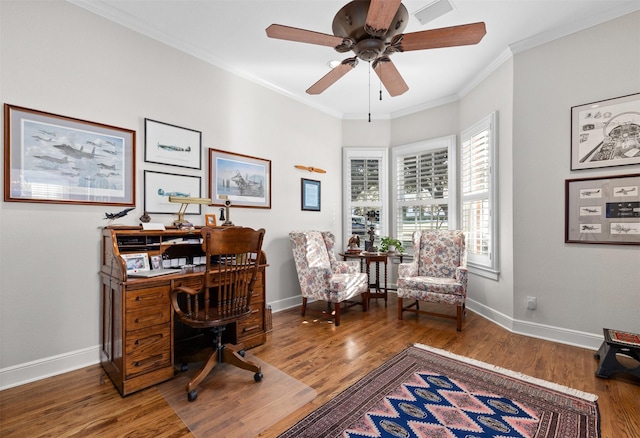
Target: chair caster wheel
(184, 367)
(241, 352)
(192, 395)
(257, 377)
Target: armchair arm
(408, 269)
(346, 267)
(462, 275)
(174, 298)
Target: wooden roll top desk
(137, 321)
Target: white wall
(62, 59)
(580, 287)
(495, 94)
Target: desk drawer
(148, 317)
(142, 298)
(256, 298)
(192, 282)
(147, 349)
(253, 323)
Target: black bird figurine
(122, 213)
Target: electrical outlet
(532, 303)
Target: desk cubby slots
(138, 337)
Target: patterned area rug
(426, 392)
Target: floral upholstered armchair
(322, 276)
(438, 273)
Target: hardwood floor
(326, 358)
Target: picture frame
(311, 194)
(158, 186)
(606, 133)
(172, 145)
(243, 180)
(56, 159)
(156, 262)
(210, 220)
(136, 262)
(603, 210)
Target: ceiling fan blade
(390, 76)
(380, 16)
(330, 78)
(302, 35)
(463, 35)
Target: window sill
(483, 271)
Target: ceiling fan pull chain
(369, 92)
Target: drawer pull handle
(149, 297)
(250, 328)
(148, 318)
(255, 310)
(149, 339)
(143, 362)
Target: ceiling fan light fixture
(333, 63)
(433, 10)
(369, 49)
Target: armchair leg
(459, 317)
(399, 308)
(304, 305)
(365, 301)
(337, 314)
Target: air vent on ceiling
(433, 10)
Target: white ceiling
(231, 34)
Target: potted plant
(388, 243)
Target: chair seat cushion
(344, 286)
(425, 288)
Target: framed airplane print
(58, 159)
(241, 180)
(172, 145)
(603, 210)
(606, 133)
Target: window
(424, 187)
(365, 197)
(478, 183)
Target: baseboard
(550, 333)
(287, 303)
(50, 366)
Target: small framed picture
(159, 186)
(172, 145)
(310, 195)
(156, 262)
(210, 220)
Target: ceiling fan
(372, 29)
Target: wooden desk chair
(233, 255)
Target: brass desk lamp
(186, 201)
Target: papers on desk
(153, 226)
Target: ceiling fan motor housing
(369, 44)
